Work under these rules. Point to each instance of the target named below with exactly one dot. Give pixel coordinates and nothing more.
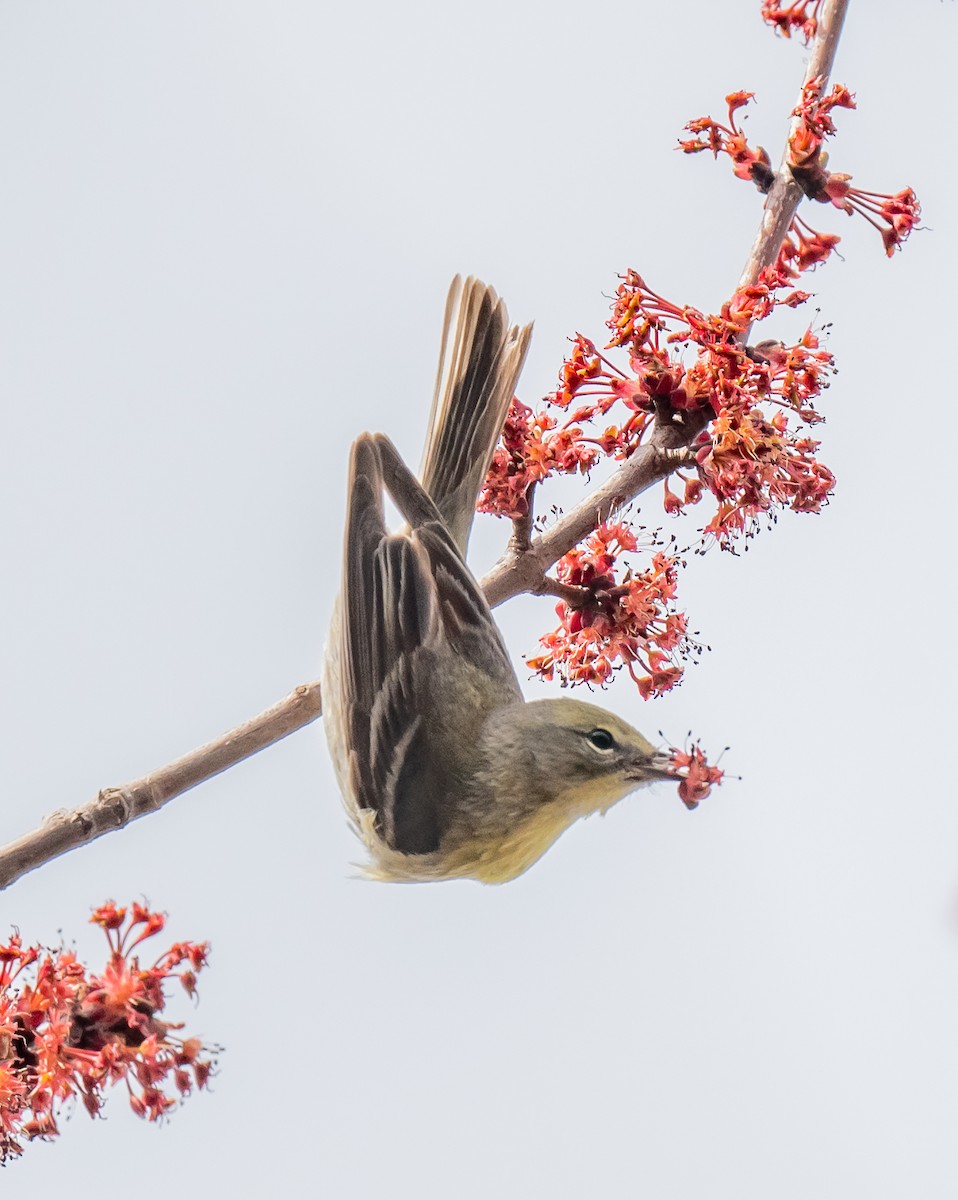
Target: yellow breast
(506, 857)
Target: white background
(226, 232)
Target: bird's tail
(479, 365)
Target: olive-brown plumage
(445, 770)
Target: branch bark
(522, 568)
(785, 195)
(115, 807)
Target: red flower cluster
(894, 216)
(814, 122)
(66, 1032)
(534, 445)
(801, 16)
(748, 163)
(604, 624)
(742, 410)
(750, 462)
(803, 248)
(531, 447)
(697, 777)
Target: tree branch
(521, 538)
(522, 568)
(525, 571)
(518, 572)
(785, 195)
(115, 807)
(574, 595)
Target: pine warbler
(446, 771)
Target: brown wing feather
(413, 615)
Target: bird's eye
(601, 739)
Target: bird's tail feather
(479, 365)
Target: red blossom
(749, 163)
(697, 777)
(672, 503)
(801, 16)
(740, 408)
(753, 463)
(803, 249)
(893, 216)
(532, 446)
(605, 623)
(813, 119)
(749, 461)
(67, 1032)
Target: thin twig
(521, 538)
(569, 592)
(523, 568)
(785, 195)
(515, 574)
(115, 807)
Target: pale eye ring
(602, 740)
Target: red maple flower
(697, 777)
(893, 216)
(606, 623)
(532, 446)
(691, 374)
(751, 464)
(813, 119)
(804, 248)
(67, 1033)
(749, 163)
(801, 16)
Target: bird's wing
(479, 365)
(414, 620)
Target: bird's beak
(648, 767)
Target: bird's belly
(508, 855)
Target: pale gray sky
(226, 233)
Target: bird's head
(575, 754)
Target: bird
(445, 769)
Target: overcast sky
(226, 234)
